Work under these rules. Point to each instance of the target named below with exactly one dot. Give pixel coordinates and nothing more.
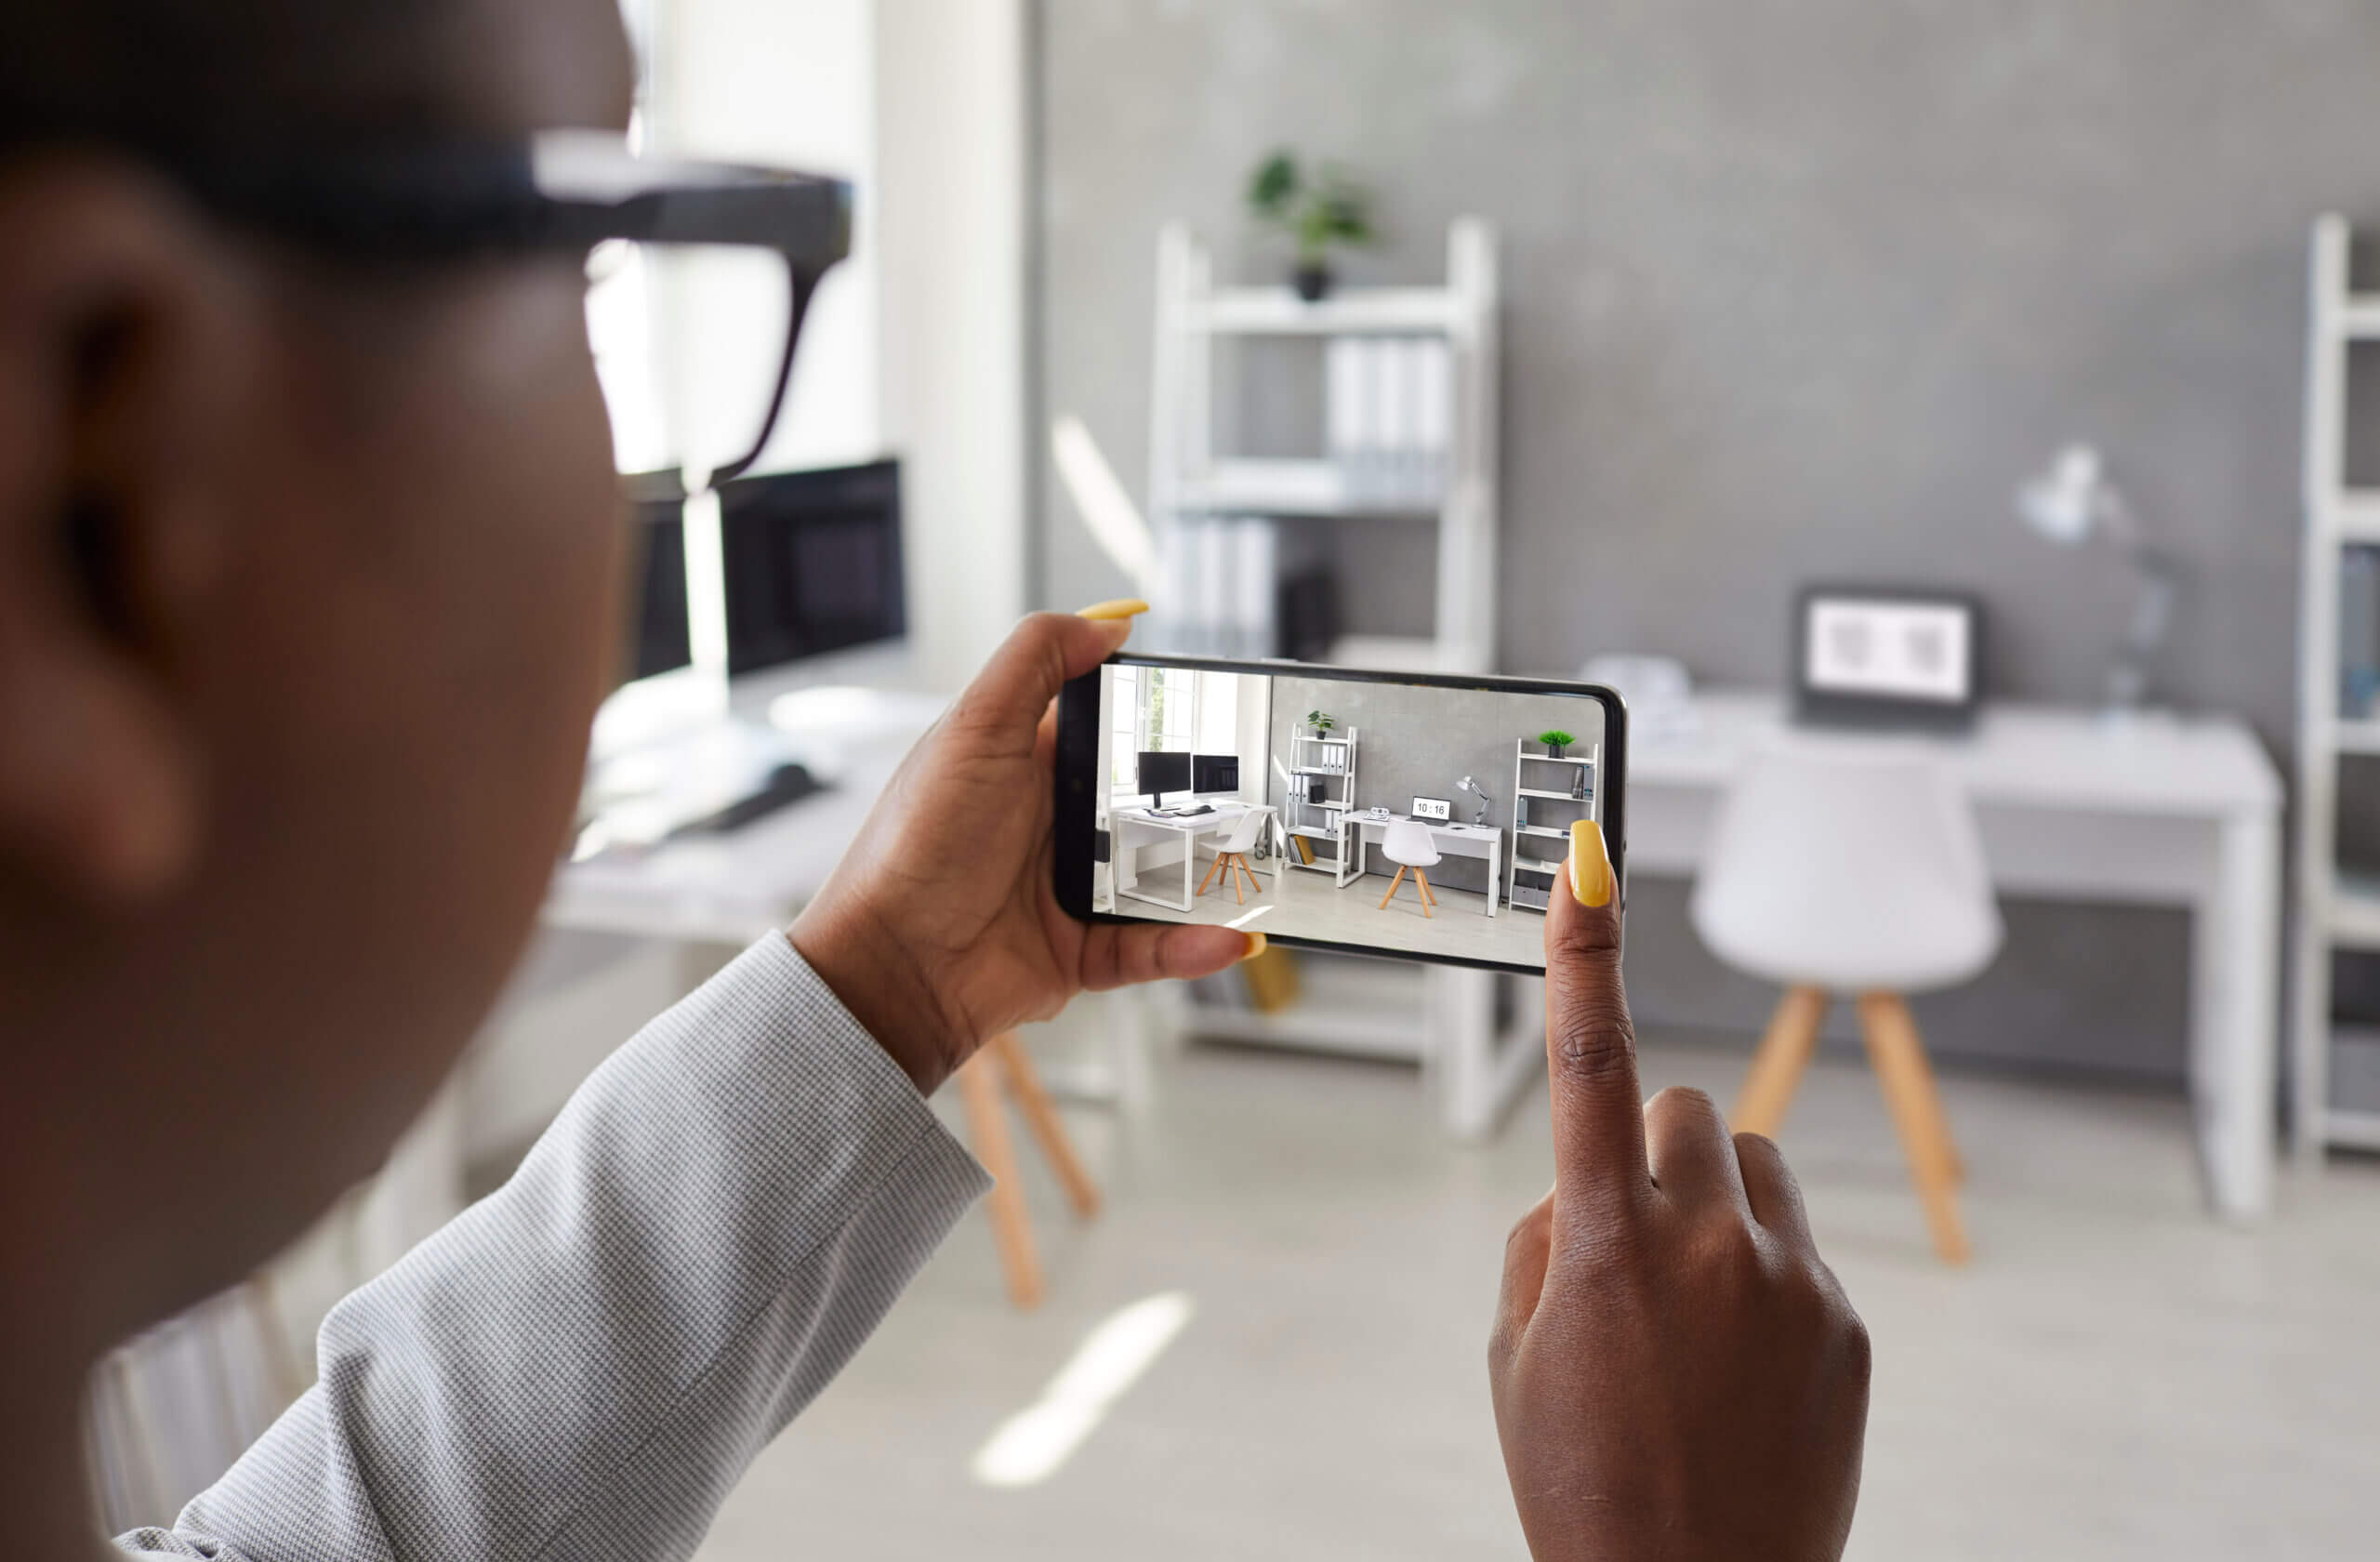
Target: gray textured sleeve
(582, 1363)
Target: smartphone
(1424, 815)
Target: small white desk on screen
(1455, 840)
(1133, 829)
(2155, 811)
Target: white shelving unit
(1187, 476)
(2335, 909)
(1328, 759)
(1536, 858)
(1381, 1008)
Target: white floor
(2113, 1377)
(1311, 905)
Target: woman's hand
(1676, 1371)
(940, 926)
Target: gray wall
(1791, 290)
(1415, 742)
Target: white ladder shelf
(2334, 911)
(1187, 477)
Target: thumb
(1036, 659)
(1119, 956)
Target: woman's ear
(122, 336)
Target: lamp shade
(2067, 501)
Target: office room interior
(1955, 433)
(1319, 798)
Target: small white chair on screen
(1853, 870)
(1411, 847)
(1230, 854)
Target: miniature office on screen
(1376, 813)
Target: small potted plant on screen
(1558, 742)
(1320, 722)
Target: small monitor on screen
(811, 564)
(1214, 773)
(1158, 772)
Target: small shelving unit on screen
(1324, 764)
(2338, 1064)
(1548, 792)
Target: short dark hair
(179, 74)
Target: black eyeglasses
(560, 193)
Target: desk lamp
(1479, 815)
(2068, 503)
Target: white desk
(1455, 840)
(2158, 811)
(1131, 828)
(731, 889)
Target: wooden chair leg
(1016, 1067)
(1210, 871)
(1898, 1054)
(1250, 874)
(1421, 882)
(1237, 893)
(1777, 1069)
(1392, 889)
(1012, 1226)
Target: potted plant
(1319, 723)
(1328, 210)
(1556, 741)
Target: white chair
(1853, 870)
(1410, 846)
(1230, 854)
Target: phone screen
(1415, 815)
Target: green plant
(1556, 738)
(1328, 210)
(1319, 722)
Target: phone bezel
(1075, 804)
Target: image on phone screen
(1413, 814)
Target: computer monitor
(1158, 772)
(810, 567)
(1214, 773)
(661, 692)
(659, 636)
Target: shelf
(1359, 311)
(2357, 1131)
(2360, 315)
(1314, 770)
(2355, 910)
(2360, 735)
(1347, 1005)
(1548, 758)
(1547, 869)
(2356, 515)
(1314, 833)
(1300, 487)
(1541, 829)
(1558, 797)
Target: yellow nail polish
(1255, 945)
(1120, 607)
(1590, 864)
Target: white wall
(915, 344)
(950, 148)
(790, 84)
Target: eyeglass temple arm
(803, 286)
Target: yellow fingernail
(1590, 865)
(1122, 607)
(1255, 945)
